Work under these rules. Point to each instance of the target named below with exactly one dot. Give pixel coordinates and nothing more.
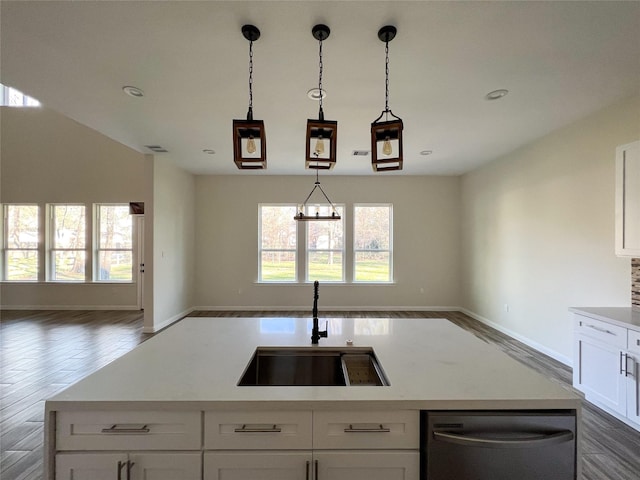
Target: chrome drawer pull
(378, 429)
(245, 429)
(125, 429)
(602, 330)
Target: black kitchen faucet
(316, 334)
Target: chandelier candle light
(386, 136)
(249, 139)
(302, 215)
(321, 133)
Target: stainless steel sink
(292, 366)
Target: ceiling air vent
(360, 153)
(157, 148)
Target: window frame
(261, 250)
(96, 250)
(355, 250)
(5, 243)
(51, 248)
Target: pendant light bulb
(386, 147)
(319, 148)
(251, 145)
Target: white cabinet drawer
(633, 342)
(603, 331)
(133, 430)
(267, 430)
(366, 429)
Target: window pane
(372, 227)
(115, 266)
(325, 266)
(22, 226)
(69, 266)
(22, 265)
(372, 267)
(325, 234)
(278, 266)
(116, 229)
(278, 228)
(69, 226)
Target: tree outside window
(21, 242)
(114, 244)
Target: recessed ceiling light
(426, 152)
(496, 94)
(316, 94)
(209, 151)
(133, 91)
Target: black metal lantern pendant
(321, 134)
(249, 139)
(386, 136)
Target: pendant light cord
(251, 79)
(386, 73)
(320, 68)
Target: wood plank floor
(42, 352)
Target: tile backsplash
(635, 283)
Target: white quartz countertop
(623, 316)
(430, 364)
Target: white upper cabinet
(628, 200)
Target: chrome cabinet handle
(602, 330)
(533, 440)
(125, 429)
(628, 373)
(129, 466)
(622, 368)
(378, 429)
(245, 429)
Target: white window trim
(50, 248)
(95, 251)
(5, 244)
(342, 251)
(261, 250)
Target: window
(372, 243)
(21, 242)
(10, 97)
(325, 246)
(67, 243)
(114, 244)
(278, 243)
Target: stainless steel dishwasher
(487, 445)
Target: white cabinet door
(90, 466)
(253, 465)
(628, 200)
(360, 465)
(633, 387)
(597, 373)
(143, 466)
(165, 466)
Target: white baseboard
(165, 323)
(69, 307)
(527, 341)
(307, 308)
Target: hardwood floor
(42, 352)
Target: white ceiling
(559, 60)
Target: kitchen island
(173, 404)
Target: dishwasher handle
(531, 441)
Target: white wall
(538, 231)
(172, 269)
(49, 158)
(426, 241)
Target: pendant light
(321, 133)
(249, 140)
(386, 136)
(302, 216)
